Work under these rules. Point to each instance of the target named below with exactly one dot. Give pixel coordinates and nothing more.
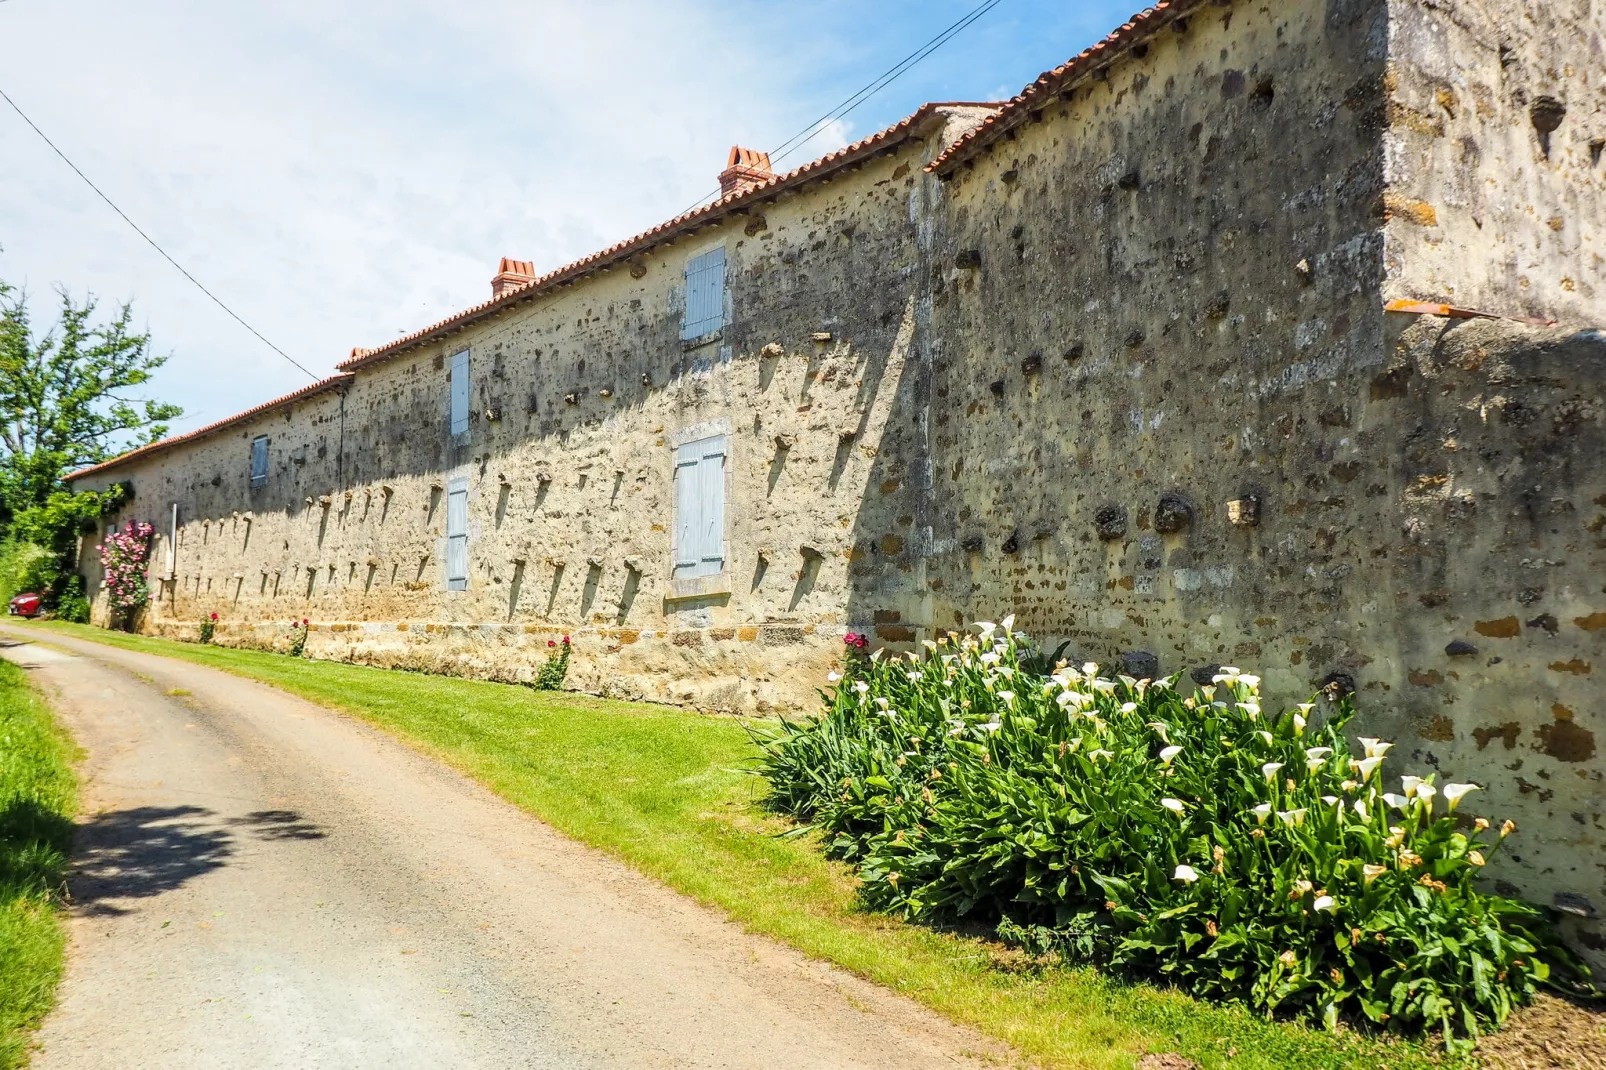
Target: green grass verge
(666, 791)
(36, 806)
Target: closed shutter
(711, 507)
(259, 460)
(457, 535)
(687, 519)
(700, 508)
(705, 294)
(460, 393)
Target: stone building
(1257, 333)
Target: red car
(25, 605)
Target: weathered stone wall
(1166, 296)
(1496, 126)
(575, 397)
(1034, 386)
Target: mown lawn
(668, 792)
(36, 806)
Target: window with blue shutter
(459, 391)
(705, 294)
(457, 534)
(259, 460)
(700, 508)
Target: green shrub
(25, 566)
(1198, 840)
(551, 675)
(298, 637)
(73, 603)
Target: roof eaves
(710, 213)
(1135, 31)
(333, 382)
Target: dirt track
(263, 883)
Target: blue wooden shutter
(460, 392)
(259, 460)
(705, 294)
(711, 511)
(457, 534)
(687, 520)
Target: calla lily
(882, 703)
(1185, 874)
(1262, 812)
(1318, 752)
(1410, 784)
(1265, 736)
(1270, 770)
(986, 627)
(1008, 624)
(1324, 903)
(1454, 792)
(1367, 766)
(1368, 743)
(1475, 857)
(1249, 681)
(1090, 668)
(1101, 753)
(1425, 793)
(1377, 749)
(1292, 818)
(1370, 872)
(989, 726)
(1160, 730)
(1359, 806)
(1332, 800)
(1299, 725)
(1008, 697)
(1305, 707)
(1314, 765)
(1399, 802)
(1174, 805)
(833, 677)
(861, 687)
(1168, 753)
(1128, 707)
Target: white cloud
(339, 173)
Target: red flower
(565, 640)
(303, 622)
(551, 642)
(214, 616)
(851, 639)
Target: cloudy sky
(340, 173)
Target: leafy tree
(67, 397)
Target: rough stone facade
(1117, 357)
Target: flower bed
(1237, 853)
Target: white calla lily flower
(1008, 697)
(1168, 753)
(1262, 812)
(1186, 874)
(1270, 770)
(1367, 766)
(1299, 725)
(1425, 793)
(1453, 793)
(1292, 818)
(833, 676)
(1324, 903)
(1161, 730)
(1318, 752)
(1359, 806)
(1008, 624)
(1174, 805)
(1409, 784)
(1399, 802)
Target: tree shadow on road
(147, 850)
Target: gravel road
(262, 883)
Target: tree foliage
(68, 397)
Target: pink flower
(565, 640)
(551, 642)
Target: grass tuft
(669, 792)
(36, 803)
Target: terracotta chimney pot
(744, 169)
(511, 275)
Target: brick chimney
(511, 275)
(744, 170)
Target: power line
(215, 299)
(870, 89)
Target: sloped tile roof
(1135, 31)
(331, 383)
(675, 227)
